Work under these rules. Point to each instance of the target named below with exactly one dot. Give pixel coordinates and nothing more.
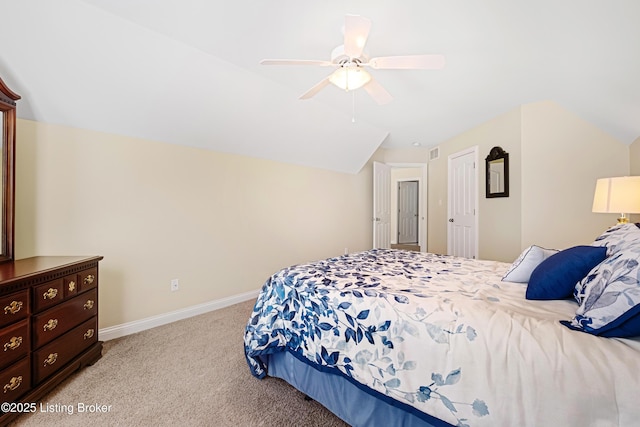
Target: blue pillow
(556, 276)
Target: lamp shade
(620, 195)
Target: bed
(398, 338)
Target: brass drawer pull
(13, 308)
(72, 286)
(13, 384)
(51, 359)
(50, 294)
(13, 343)
(89, 334)
(88, 305)
(50, 325)
(89, 279)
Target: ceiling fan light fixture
(350, 59)
(350, 78)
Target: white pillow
(521, 269)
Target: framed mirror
(7, 167)
(497, 167)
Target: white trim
(129, 328)
(407, 165)
(424, 197)
(395, 183)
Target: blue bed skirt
(346, 400)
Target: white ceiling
(187, 71)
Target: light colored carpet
(192, 372)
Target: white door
(408, 212)
(381, 205)
(462, 226)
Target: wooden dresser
(48, 324)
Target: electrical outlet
(346, 251)
(175, 285)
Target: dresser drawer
(58, 353)
(70, 285)
(15, 380)
(14, 342)
(87, 279)
(47, 295)
(14, 307)
(57, 320)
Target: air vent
(434, 153)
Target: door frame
(397, 213)
(471, 150)
(423, 198)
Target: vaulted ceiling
(187, 71)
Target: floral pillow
(609, 296)
(619, 237)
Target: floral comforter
(446, 336)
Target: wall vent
(434, 153)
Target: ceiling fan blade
(315, 89)
(377, 92)
(408, 62)
(356, 31)
(296, 62)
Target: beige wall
(634, 157)
(220, 223)
(555, 159)
(498, 218)
(634, 164)
(563, 156)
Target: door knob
(450, 219)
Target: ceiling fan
(351, 62)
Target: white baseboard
(129, 328)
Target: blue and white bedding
(609, 296)
(446, 337)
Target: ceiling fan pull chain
(353, 106)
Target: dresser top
(27, 267)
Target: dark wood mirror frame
(8, 108)
(497, 170)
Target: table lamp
(619, 194)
